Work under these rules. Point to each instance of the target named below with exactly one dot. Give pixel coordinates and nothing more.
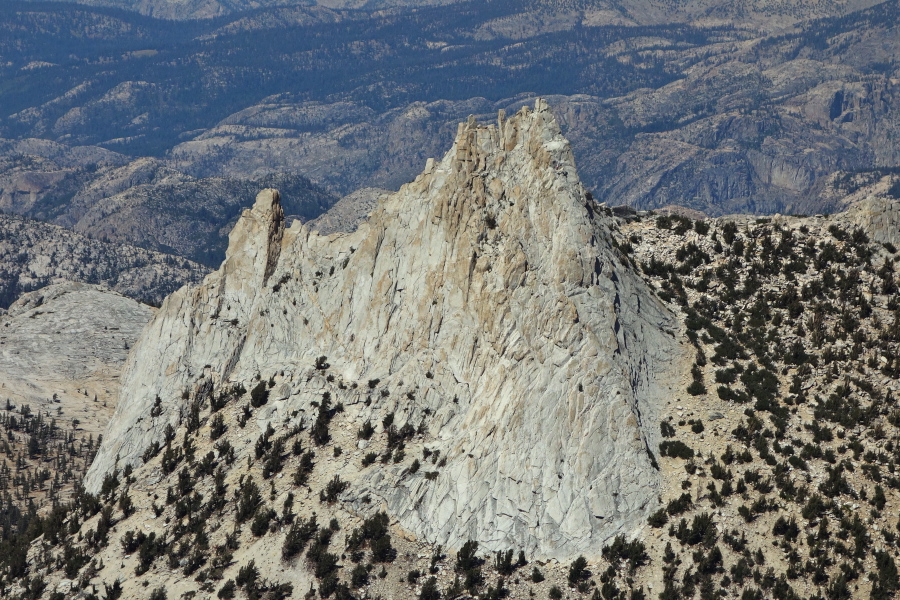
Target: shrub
(248, 499)
(333, 489)
(729, 232)
(578, 571)
(365, 432)
(359, 576)
(727, 376)
(244, 416)
(430, 590)
(887, 581)
(226, 451)
(247, 575)
(226, 592)
(658, 519)
(260, 523)
(260, 395)
(787, 528)
(633, 553)
(702, 529)
(503, 562)
(382, 551)
(301, 531)
(150, 452)
(815, 508)
(131, 542)
(676, 449)
(274, 459)
(762, 384)
(374, 532)
(329, 585)
(113, 592)
(732, 395)
(319, 430)
(679, 505)
(216, 427)
(474, 579)
(149, 550)
(73, 559)
(466, 558)
(301, 476)
(158, 594)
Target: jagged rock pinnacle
(255, 241)
(487, 298)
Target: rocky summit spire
(487, 305)
(255, 242)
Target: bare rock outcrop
(62, 349)
(877, 216)
(486, 301)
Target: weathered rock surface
(878, 217)
(348, 212)
(35, 254)
(488, 300)
(63, 348)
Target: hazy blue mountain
(713, 114)
(765, 13)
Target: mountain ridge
(493, 235)
(332, 408)
(720, 117)
(766, 13)
(35, 254)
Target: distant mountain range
(143, 201)
(771, 13)
(720, 107)
(34, 255)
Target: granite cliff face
(484, 304)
